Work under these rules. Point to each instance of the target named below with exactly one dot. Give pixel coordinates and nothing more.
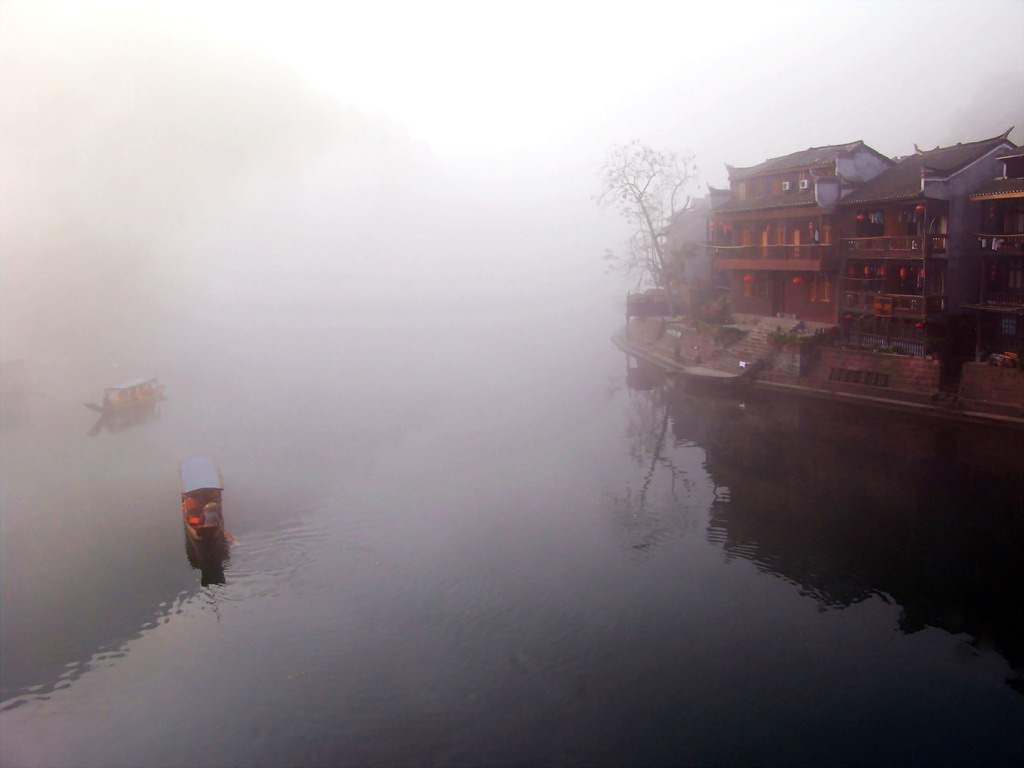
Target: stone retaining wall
(981, 383)
(674, 340)
(898, 372)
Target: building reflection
(847, 504)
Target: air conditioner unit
(804, 183)
(786, 186)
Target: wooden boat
(201, 495)
(138, 394)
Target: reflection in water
(210, 557)
(118, 421)
(847, 504)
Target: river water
(468, 533)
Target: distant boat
(201, 496)
(131, 396)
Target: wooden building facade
(906, 247)
(1000, 262)
(773, 236)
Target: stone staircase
(750, 348)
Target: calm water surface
(468, 535)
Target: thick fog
(155, 160)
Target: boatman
(211, 516)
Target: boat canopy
(199, 473)
(133, 384)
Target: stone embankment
(803, 362)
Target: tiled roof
(784, 200)
(903, 180)
(808, 158)
(1001, 188)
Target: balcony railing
(806, 256)
(916, 245)
(1009, 299)
(892, 304)
(1000, 243)
(784, 251)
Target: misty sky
(731, 82)
(132, 132)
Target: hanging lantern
(919, 325)
(727, 227)
(922, 273)
(867, 271)
(861, 217)
(903, 271)
(798, 280)
(881, 271)
(748, 278)
(847, 317)
(919, 208)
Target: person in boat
(212, 517)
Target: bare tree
(648, 189)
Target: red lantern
(919, 325)
(748, 278)
(847, 317)
(861, 217)
(798, 280)
(919, 208)
(867, 271)
(881, 271)
(922, 273)
(727, 227)
(903, 271)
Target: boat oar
(97, 427)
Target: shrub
(779, 338)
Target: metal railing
(781, 252)
(1010, 299)
(1013, 243)
(892, 304)
(876, 333)
(915, 244)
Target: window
(1008, 327)
(1015, 274)
(753, 289)
(821, 289)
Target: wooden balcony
(892, 304)
(780, 258)
(896, 247)
(1009, 244)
